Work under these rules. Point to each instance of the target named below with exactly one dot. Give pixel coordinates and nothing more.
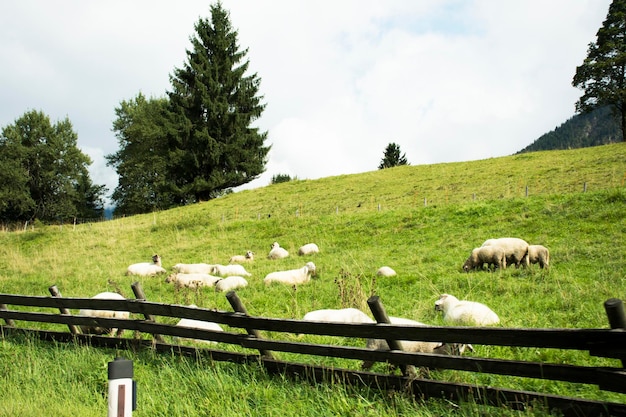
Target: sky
(446, 80)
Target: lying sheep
(308, 249)
(292, 276)
(490, 255)
(539, 254)
(515, 249)
(200, 268)
(196, 280)
(385, 271)
(198, 324)
(230, 283)
(414, 346)
(276, 252)
(465, 312)
(229, 270)
(248, 257)
(104, 314)
(146, 268)
(344, 315)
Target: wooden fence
(608, 343)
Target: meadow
(421, 220)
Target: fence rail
(609, 343)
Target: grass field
(421, 220)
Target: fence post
(55, 293)
(238, 306)
(9, 322)
(617, 318)
(139, 294)
(378, 310)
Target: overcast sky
(447, 81)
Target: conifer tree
(602, 75)
(214, 103)
(392, 157)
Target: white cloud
(446, 80)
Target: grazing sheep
(465, 312)
(344, 315)
(248, 257)
(308, 249)
(292, 276)
(385, 271)
(414, 346)
(198, 324)
(490, 255)
(200, 268)
(192, 280)
(539, 254)
(276, 252)
(146, 268)
(230, 270)
(515, 249)
(230, 283)
(104, 314)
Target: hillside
(421, 220)
(599, 127)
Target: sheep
(248, 257)
(104, 314)
(198, 324)
(465, 312)
(229, 270)
(490, 255)
(385, 271)
(292, 276)
(539, 254)
(515, 249)
(344, 315)
(308, 249)
(146, 268)
(230, 283)
(276, 252)
(192, 280)
(200, 268)
(414, 346)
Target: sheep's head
(274, 245)
(442, 302)
(311, 267)
(170, 278)
(250, 255)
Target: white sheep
(292, 276)
(198, 324)
(414, 345)
(465, 312)
(343, 315)
(104, 314)
(538, 254)
(230, 283)
(147, 268)
(192, 280)
(490, 255)
(248, 257)
(385, 271)
(515, 249)
(229, 270)
(276, 252)
(308, 249)
(200, 268)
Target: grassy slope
(361, 222)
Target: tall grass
(360, 222)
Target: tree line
(198, 141)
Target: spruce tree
(214, 103)
(602, 75)
(392, 157)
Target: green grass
(360, 222)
